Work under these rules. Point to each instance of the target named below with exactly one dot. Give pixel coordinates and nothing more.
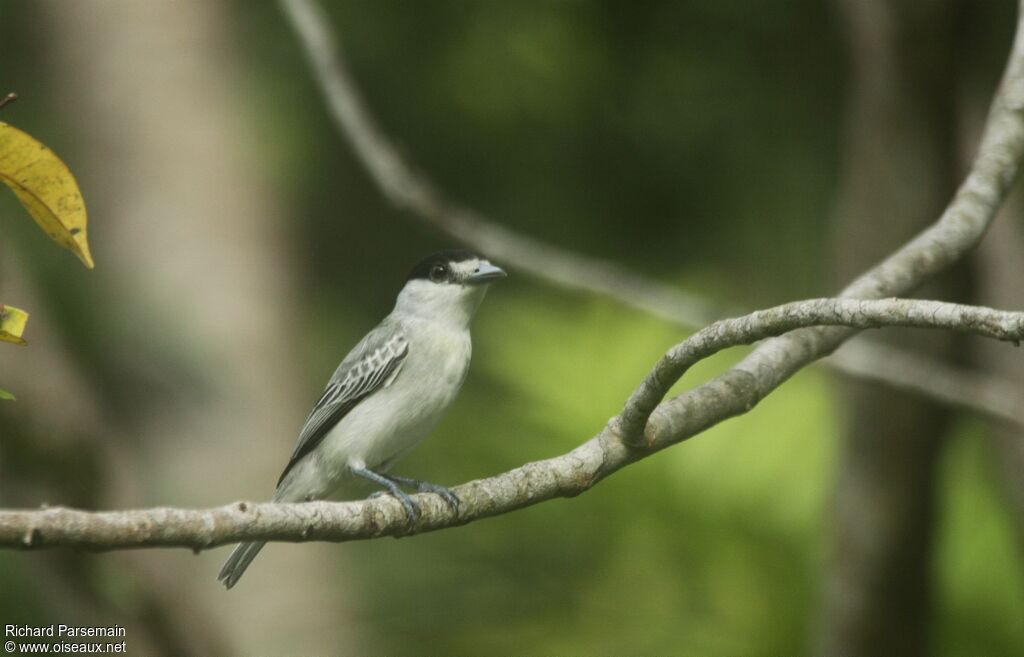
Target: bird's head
(448, 286)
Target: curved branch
(958, 230)
(561, 476)
(407, 188)
(850, 313)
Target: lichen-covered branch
(562, 476)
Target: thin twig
(995, 396)
(409, 189)
(8, 99)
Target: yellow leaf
(46, 188)
(12, 324)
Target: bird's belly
(390, 422)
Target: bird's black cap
(424, 267)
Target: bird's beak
(485, 273)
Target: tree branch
(408, 189)
(850, 313)
(958, 230)
(991, 394)
(651, 427)
(563, 476)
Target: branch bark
(406, 188)
(563, 476)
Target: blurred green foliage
(697, 142)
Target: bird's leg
(426, 487)
(412, 511)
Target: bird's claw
(412, 510)
(450, 498)
(426, 487)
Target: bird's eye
(438, 273)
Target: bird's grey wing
(373, 364)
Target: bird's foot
(412, 510)
(450, 498)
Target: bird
(388, 393)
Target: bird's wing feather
(372, 365)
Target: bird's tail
(239, 560)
